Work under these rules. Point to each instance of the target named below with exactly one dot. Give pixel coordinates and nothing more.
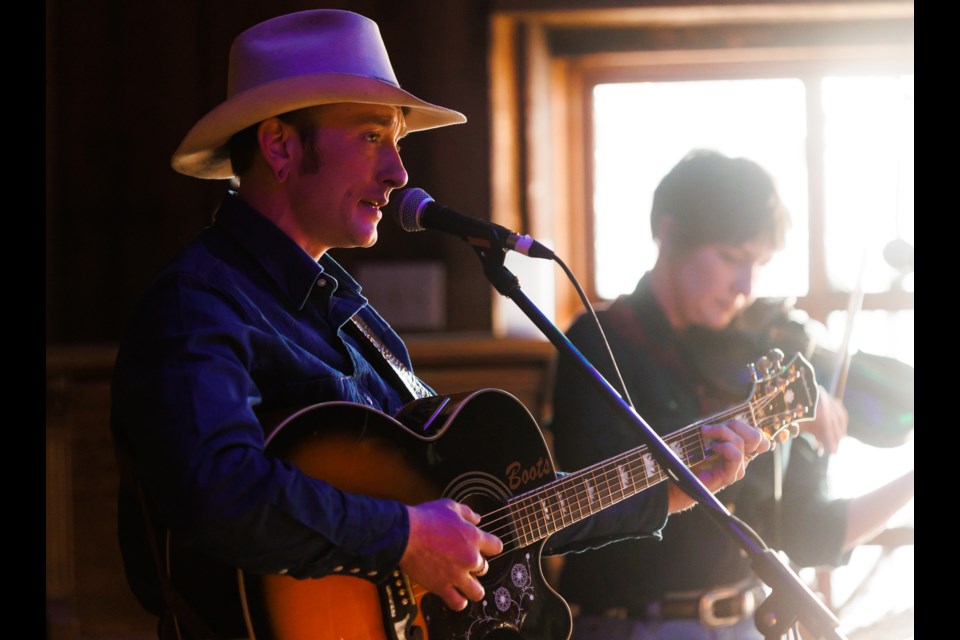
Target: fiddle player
(680, 343)
(255, 317)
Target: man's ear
(277, 141)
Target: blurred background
(575, 110)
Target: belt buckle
(708, 616)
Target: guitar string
(603, 481)
(690, 434)
(606, 476)
(510, 538)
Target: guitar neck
(571, 498)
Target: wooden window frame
(541, 173)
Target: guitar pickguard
(514, 583)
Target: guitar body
(479, 448)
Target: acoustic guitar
(482, 448)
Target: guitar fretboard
(784, 399)
(574, 497)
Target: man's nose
(394, 173)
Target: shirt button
(322, 282)
(338, 569)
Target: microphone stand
(790, 600)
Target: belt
(719, 607)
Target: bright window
(641, 129)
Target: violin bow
(838, 382)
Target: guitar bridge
(399, 608)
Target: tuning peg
(752, 368)
(776, 355)
(794, 429)
(763, 365)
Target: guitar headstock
(783, 394)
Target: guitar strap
(397, 610)
(397, 370)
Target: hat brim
(204, 152)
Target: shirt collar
(294, 271)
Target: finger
(454, 600)
(469, 514)
(484, 567)
(490, 545)
(734, 461)
(472, 589)
(724, 433)
(763, 445)
(754, 441)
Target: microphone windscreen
(405, 207)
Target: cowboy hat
(294, 61)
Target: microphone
(414, 210)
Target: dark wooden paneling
(126, 81)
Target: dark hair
(715, 198)
(243, 144)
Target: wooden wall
(126, 80)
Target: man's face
(713, 282)
(347, 174)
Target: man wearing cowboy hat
(254, 317)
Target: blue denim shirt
(241, 323)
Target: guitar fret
(623, 480)
(524, 519)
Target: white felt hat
(294, 61)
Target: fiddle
(878, 392)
